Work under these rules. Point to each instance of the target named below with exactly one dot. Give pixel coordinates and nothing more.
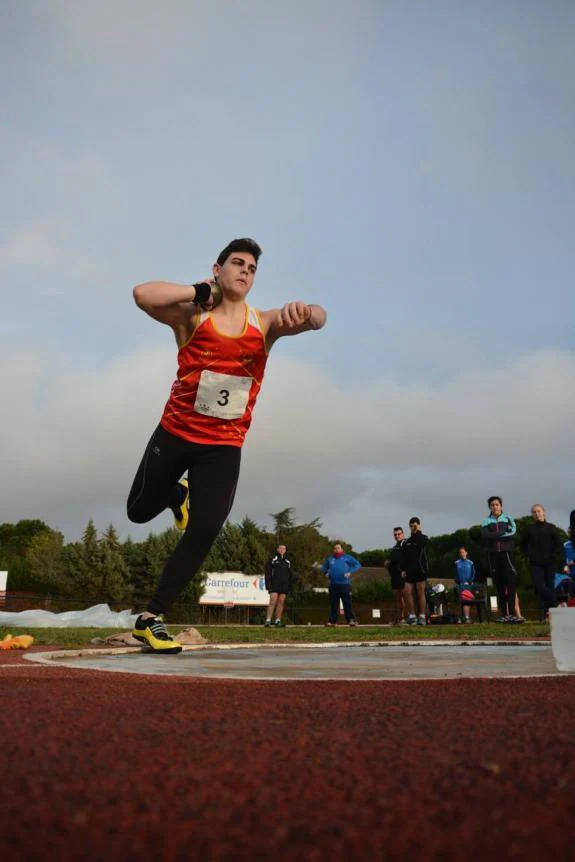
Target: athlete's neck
(230, 317)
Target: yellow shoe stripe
(146, 636)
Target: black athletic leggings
(544, 582)
(504, 577)
(213, 473)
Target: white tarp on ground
(98, 616)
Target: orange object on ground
(18, 642)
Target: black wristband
(203, 292)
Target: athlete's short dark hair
(244, 244)
(493, 499)
(395, 529)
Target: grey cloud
(356, 457)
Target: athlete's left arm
(293, 318)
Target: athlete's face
(337, 549)
(281, 550)
(236, 275)
(538, 513)
(495, 508)
(463, 553)
(398, 535)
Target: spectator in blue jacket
(339, 568)
(499, 533)
(464, 577)
(569, 556)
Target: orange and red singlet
(219, 379)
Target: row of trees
(103, 568)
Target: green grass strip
(75, 638)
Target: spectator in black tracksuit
(279, 579)
(543, 546)
(415, 568)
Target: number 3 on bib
(223, 396)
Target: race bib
(224, 396)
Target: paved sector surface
(343, 662)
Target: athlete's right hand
(215, 296)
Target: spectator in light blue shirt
(464, 577)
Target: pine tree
(256, 544)
(283, 522)
(45, 559)
(115, 584)
(86, 559)
(230, 549)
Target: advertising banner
(235, 588)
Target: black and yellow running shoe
(153, 633)
(182, 510)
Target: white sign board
(235, 588)
(3, 580)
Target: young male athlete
(223, 345)
(279, 579)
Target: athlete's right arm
(168, 303)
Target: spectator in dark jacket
(415, 568)
(279, 579)
(498, 531)
(394, 565)
(543, 547)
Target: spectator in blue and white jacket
(464, 577)
(498, 531)
(339, 568)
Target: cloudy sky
(407, 165)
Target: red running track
(118, 767)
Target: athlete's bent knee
(137, 516)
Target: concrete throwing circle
(345, 662)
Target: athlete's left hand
(294, 314)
